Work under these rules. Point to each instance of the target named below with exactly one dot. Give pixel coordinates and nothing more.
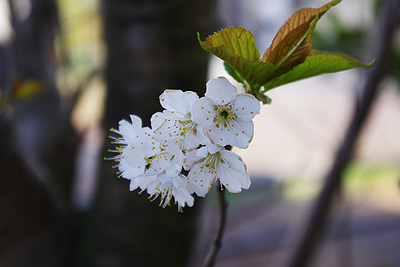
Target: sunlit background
(294, 145)
(295, 140)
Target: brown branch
(216, 245)
(317, 220)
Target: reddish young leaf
(293, 42)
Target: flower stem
(216, 245)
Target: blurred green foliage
(356, 40)
(358, 177)
(79, 45)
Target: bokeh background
(70, 70)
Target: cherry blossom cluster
(189, 136)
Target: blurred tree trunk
(41, 126)
(151, 46)
(38, 146)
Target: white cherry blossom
(134, 146)
(211, 163)
(151, 165)
(175, 122)
(190, 133)
(168, 162)
(226, 115)
(166, 188)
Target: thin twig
(318, 217)
(216, 245)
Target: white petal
(233, 181)
(200, 179)
(151, 183)
(133, 185)
(164, 178)
(241, 133)
(172, 100)
(173, 169)
(169, 130)
(203, 112)
(236, 133)
(231, 178)
(178, 158)
(170, 115)
(233, 160)
(158, 165)
(179, 181)
(212, 149)
(173, 148)
(202, 152)
(188, 99)
(247, 130)
(136, 122)
(126, 130)
(221, 136)
(139, 182)
(246, 107)
(191, 158)
(202, 135)
(182, 196)
(132, 163)
(144, 133)
(156, 120)
(146, 143)
(221, 91)
(190, 140)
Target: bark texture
(151, 46)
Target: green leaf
(263, 98)
(236, 46)
(235, 75)
(317, 63)
(232, 41)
